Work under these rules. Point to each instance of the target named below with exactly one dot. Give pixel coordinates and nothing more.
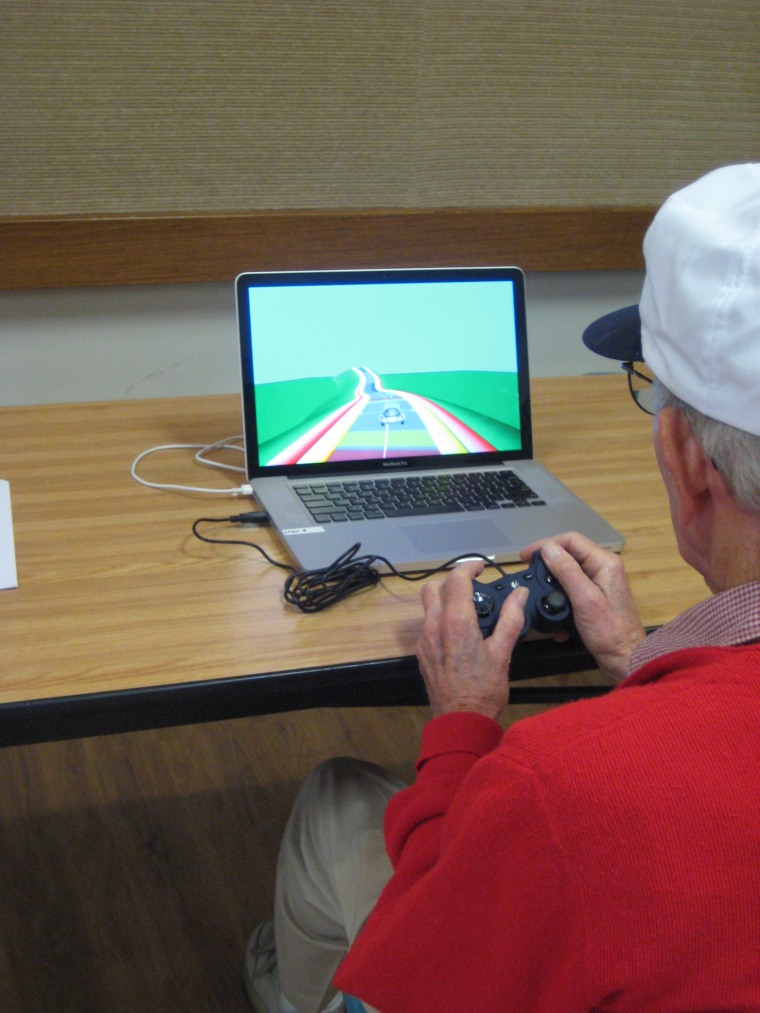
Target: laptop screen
(379, 369)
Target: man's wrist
(489, 708)
(618, 664)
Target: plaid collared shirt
(725, 620)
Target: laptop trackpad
(456, 539)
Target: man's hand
(462, 671)
(604, 611)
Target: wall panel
(174, 111)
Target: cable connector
(243, 490)
(252, 517)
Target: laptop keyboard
(416, 496)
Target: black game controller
(547, 609)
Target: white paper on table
(8, 576)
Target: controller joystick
(547, 609)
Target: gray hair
(734, 452)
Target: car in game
(391, 415)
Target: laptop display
(347, 369)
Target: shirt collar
(725, 620)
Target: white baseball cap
(697, 325)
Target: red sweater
(602, 856)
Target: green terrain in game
(487, 402)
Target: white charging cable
(225, 444)
(203, 449)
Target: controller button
(483, 604)
(554, 603)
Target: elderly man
(604, 855)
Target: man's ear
(687, 470)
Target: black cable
(315, 590)
(253, 516)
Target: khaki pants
(331, 869)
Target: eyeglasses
(641, 386)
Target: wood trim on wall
(62, 251)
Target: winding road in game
(380, 423)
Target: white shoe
(261, 978)
(262, 982)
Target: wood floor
(132, 867)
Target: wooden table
(123, 620)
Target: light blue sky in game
(322, 330)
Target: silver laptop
(392, 408)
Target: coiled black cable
(315, 590)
